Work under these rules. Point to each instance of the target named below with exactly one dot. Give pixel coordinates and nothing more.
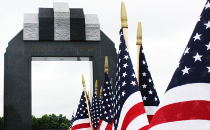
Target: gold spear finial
(101, 91)
(139, 34)
(106, 65)
(83, 81)
(124, 20)
(96, 86)
(88, 96)
(73, 112)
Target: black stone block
(77, 24)
(46, 24)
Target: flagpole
(138, 44)
(124, 23)
(88, 108)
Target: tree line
(46, 122)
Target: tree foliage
(1, 123)
(50, 122)
(46, 122)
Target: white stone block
(61, 21)
(92, 27)
(31, 26)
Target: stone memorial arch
(52, 32)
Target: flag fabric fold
(71, 123)
(81, 120)
(106, 110)
(95, 109)
(186, 102)
(129, 111)
(147, 88)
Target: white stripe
(188, 92)
(150, 110)
(184, 125)
(81, 121)
(103, 125)
(138, 122)
(85, 128)
(112, 126)
(129, 103)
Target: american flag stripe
(184, 125)
(128, 118)
(81, 124)
(175, 107)
(138, 122)
(150, 110)
(104, 125)
(186, 92)
(131, 107)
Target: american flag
(129, 112)
(81, 120)
(106, 111)
(186, 102)
(147, 88)
(71, 123)
(95, 108)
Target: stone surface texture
(77, 24)
(31, 26)
(61, 21)
(46, 24)
(92, 27)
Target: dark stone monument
(77, 24)
(17, 68)
(46, 24)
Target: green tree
(1, 123)
(50, 122)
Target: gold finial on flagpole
(88, 108)
(139, 34)
(124, 20)
(73, 112)
(139, 44)
(83, 81)
(101, 91)
(88, 96)
(124, 23)
(96, 87)
(106, 65)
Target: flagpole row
(124, 23)
(138, 44)
(88, 108)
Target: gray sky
(167, 26)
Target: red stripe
(144, 128)
(108, 127)
(99, 125)
(80, 126)
(133, 112)
(150, 117)
(188, 110)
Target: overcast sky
(167, 26)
